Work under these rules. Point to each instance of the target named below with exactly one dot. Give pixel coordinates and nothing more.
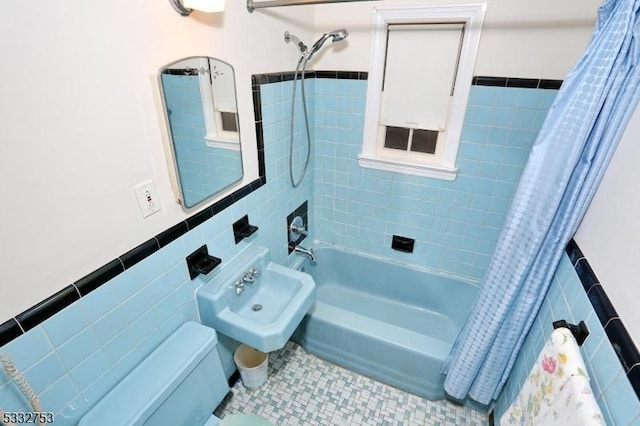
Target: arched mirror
(199, 98)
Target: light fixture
(185, 7)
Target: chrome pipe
(252, 5)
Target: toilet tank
(180, 383)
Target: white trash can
(252, 365)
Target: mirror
(199, 99)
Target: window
(411, 140)
(420, 74)
(229, 121)
(218, 95)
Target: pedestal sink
(255, 301)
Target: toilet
(180, 383)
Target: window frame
(215, 136)
(442, 166)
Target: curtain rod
(251, 5)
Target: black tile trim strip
(47, 308)
(525, 83)
(622, 343)
(169, 235)
(201, 217)
(601, 303)
(139, 253)
(574, 252)
(260, 79)
(40, 312)
(624, 347)
(95, 279)
(9, 330)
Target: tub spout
(308, 252)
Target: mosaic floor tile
(305, 390)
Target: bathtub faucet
(308, 252)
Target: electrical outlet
(147, 198)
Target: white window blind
(224, 89)
(420, 69)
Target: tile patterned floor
(305, 390)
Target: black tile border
(9, 330)
(169, 235)
(95, 279)
(139, 253)
(524, 83)
(199, 218)
(601, 303)
(260, 79)
(622, 343)
(549, 84)
(47, 308)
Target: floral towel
(557, 391)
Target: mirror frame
(169, 145)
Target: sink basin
(266, 312)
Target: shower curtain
(564, 168)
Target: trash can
(252, 365)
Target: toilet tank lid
(142, 391)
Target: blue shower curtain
(565, 166)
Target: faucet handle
(298, 229)
(254, 272)
(248, 278)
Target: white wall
(610, 231)
(79, 126)
(520, 38)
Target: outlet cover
(147, 198)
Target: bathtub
(383, 319)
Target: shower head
(288, 37)
(337, 35)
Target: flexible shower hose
(296, 182)
(14, 374)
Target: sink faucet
(247, 279)
(250, 276)
(308, 252)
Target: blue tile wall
(455, 224)
(76, 356)
(568, 300)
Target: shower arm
(251, 5)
